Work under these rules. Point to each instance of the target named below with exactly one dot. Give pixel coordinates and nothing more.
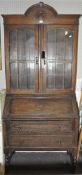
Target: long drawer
(36, 127)
(42, 141)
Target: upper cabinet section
(41, 51)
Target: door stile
(42, 61)
(39, 50)
(37, 60)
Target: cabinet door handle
(36, 60)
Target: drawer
(42, 141)
(24, 128)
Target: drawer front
(42, 141)
(25, 128)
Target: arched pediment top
(40, 7)
(41, 10)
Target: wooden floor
(42, 164)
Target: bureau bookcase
(40, 112)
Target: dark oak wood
(40, 111)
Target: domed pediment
(41, 13)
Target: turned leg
(8, 156)
(73, 159)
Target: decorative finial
(41, 4)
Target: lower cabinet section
(40, 124)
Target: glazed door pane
(59, 54)
(22, 55)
